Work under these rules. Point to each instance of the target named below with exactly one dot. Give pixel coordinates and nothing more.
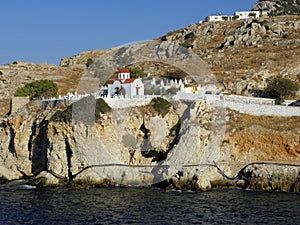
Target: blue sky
(47, 30)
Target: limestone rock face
(141, 146)
(34, 144)
(271, 177)
(84, 58)
(251, 33)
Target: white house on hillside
(239, 15)
(243, 15)
(129, 87)
(218, 18)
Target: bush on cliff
(101, 107)
(279, 88)
(65, 116)
(161, 105)
(175, 129)
(38, 89)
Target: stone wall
(120, 103)
(247, 105)
(260, 110)
(17, 103)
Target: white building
(129, 87)
(243, 15)
(238, 15)
(218, 18)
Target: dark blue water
(20, 205)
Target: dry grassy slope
(82, 58)
(17, 74)
(238, 68)
(262, 138)
(243, 67)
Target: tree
(279, 87)
(89, 62)
(38, 89)
(136, 73)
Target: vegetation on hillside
(161, 105)
(101, 108)
(279, 88)
(136, 73)
(175, 75)
(38, 89)
(89, 62)
(65, 116)
(175, 129)
(286, 7)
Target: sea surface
(23, 204)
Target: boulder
(269, 6)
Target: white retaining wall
(247, 105)
(120, 103)
(259, 110)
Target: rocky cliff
(184, 145)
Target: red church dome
(124, 70)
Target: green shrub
(161, 105)
(101, 107)
(279, 87)
(172, 91)
(164, 38)
(175, 129)
(176, 75)
(38, 89)
(189, 35)
(152, 91)
(65, 116)
(136, 73)
(89, 62)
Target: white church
(124, 85)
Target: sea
(25, 204)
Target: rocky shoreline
(126, 147)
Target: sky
(47, 30)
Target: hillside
(241, 54)
(17, 74)
(244, 54)
(279, 7)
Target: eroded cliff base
(168, 144)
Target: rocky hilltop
(244, 54)
(279, 7)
